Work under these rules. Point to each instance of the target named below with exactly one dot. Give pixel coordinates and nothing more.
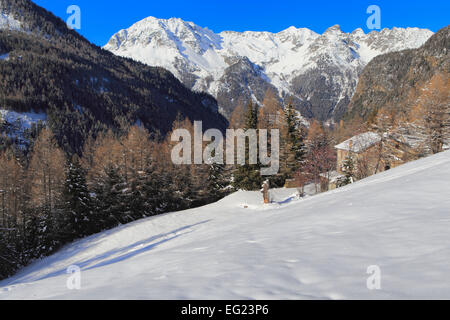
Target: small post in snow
(265, 191)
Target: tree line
(48, 199)
(84, 89)
(306, 149)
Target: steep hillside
(394, 80)
(320, 72)
(316, 248)
(48, 68)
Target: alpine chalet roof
(360, 142)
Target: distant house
(370, 153)
(361, 147)
(373, 153)
(358, 147)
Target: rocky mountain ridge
(319, 72)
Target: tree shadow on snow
(121, 254)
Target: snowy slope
(203, 59)
(316, 248)
(22, 119)
(8, 22)
(16, 125)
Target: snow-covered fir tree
(76, 216)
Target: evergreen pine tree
(294, 145)
(182, 186)
(135, 195)
(76, 215)
(110, 203)
(248, 176)
(8, 255)
(154, 194)
(217, 181)
(349, 169)
(41, 233)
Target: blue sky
(100, 19)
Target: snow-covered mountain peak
(171, 33)
(336, 29)
(291, 29)
(296, 36)
(319, 71)
(358, 32)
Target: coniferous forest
(51, 196)
(84, 89)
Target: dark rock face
(391, 80)
(318, 73)
(241, 82)
(325, 92)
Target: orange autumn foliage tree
(46, 171)
(431, 114)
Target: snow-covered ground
(18, 122)
(316, 248)
(9, 23)
(23, 119)
(4, 56)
